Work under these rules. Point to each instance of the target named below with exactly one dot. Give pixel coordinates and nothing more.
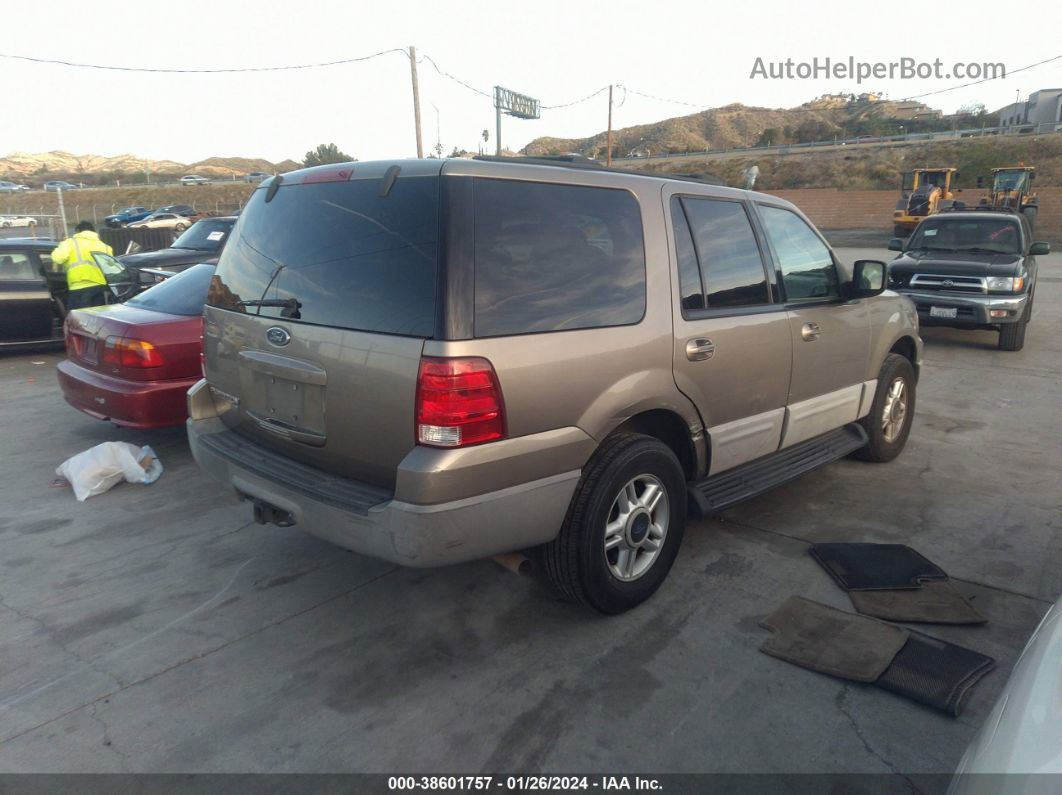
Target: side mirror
(868, 278)
(896, 244)
(1040, 248)
(980, 182)
(1032, 176)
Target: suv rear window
(181, 294)
(339, 253)
(556, 257)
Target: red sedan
(132, 363)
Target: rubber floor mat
(822, 638)
(935, 673)
(936, 602)
(869, 567)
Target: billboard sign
(519, 105)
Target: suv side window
(691, 288)
(556, 257)
(730, 267)
(808, 271)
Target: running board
(718, 492)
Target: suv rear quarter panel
(592, 380)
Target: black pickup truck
(202, 242)
(973, 269)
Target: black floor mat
(935, 673)
(872, 567)
(936, 602)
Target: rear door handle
(699, 348)
(810, 332)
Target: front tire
(623, 528)
(1012, 335)
(889, 422)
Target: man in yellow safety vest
(84, 279)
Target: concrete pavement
(157, 629)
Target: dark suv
(974, 270)
(436, 361)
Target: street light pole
(608, 156)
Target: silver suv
(436, 361)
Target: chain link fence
(45, 222)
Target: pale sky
(698, 52)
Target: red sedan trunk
(132, 365)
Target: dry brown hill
(20, 165)
(733, 126)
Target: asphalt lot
(157, 629)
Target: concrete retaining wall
(831, 209)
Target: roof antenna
(388, 181)
(274, 186)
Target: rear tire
(624, 525)
(889, 422)
(899, 231)
(1030, 216)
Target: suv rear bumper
(973, 310)
(369, 520)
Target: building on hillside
(909, 109)
(1042, 107)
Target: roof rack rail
(979, 208)
(570, 161)
(583, 162)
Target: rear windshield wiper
(290, 307)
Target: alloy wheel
(636, 527)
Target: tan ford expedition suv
(435, 361)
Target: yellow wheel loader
(1012, 190)
(923, 191)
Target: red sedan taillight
(459, 402)
(130, 352)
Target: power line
(986, 79)
(458, 80)
(290, 67)
(576, 101)
(200, 71)
(660, 99)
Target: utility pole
(438, 131)
(608, 156)
(416, 98)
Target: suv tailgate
(318, 313)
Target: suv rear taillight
(459, 402)
(129, 352)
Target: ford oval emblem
(277, 336)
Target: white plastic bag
(99, 468)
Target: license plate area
(86, 348)
(945, 312)
(293, 403)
